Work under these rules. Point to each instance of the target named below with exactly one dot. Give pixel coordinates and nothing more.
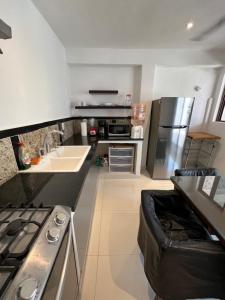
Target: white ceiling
(133, 23)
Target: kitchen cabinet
(121, 159)
(84, 214)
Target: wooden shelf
(104, 92)
(199, 135)
(103, 107)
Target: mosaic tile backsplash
(32, 140)
(35, 139)
(8, 166)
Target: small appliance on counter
(93, 131)
(119, 127)
(92, 127)
(102, 128)
(137, 132)
(83, 126)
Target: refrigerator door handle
(175, 127)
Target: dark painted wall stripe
(28, 128)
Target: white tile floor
(114, 269)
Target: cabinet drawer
(121, 151)
(120, 168)
(121, 160)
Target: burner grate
(6, 275)
(19, 228)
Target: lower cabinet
(83, 216)
(121, 158)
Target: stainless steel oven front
(63, 282)
(51, 269)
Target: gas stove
(30, 239)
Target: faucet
(46, 146)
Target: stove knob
(53, 235)
(28, 289)
(60, 219)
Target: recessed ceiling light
(190, 25)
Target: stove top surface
(19, 228)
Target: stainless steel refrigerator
(170, 119)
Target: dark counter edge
(48, 189)
(177, 187)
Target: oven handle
(75, 247)
(62, 278)
(71, 242)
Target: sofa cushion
(177, 220)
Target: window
(221, 112)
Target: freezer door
(169, 151)
(175, 111)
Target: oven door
(63, 280)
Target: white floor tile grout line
(116, 255)
(105, 179)
(96, 277)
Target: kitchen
(70, 81)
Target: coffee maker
(102, 128)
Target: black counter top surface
(206, 195)
(50, 189)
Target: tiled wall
(33, 139)
(8, 166)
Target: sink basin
(58, 165)
(71, 151)
(63, 159)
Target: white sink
(71, 151)
(63, 159)
(55, 165)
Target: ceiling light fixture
(190, 25)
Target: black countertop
(207, 196)
(48, 189)
(51, 189)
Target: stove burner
(15, 227)
(19, 228)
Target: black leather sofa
(180, 259)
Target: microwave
(119, 127)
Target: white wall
(181, 82)
(148, 60)
(125, 79)
(33, 69)
(218, 128)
